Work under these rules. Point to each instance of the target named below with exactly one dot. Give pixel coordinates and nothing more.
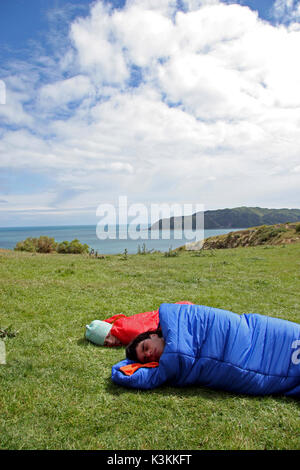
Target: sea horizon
(154, 240)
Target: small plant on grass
(202, 252)
(170, 253)
(65, 271)
(7, 332)
(143, 250)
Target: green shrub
(30, 244)
(74, 247)
(40, 245)
(45, 244)
(265, 233)
(297, 228)
(63, 247)
(77, 247)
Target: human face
(111, 341)
(150, 349)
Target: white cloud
(12, 110)
(65, 91)
(287, 10)
(146, 34)
(98, 50)
(213, 118)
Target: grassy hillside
(279, 234)
(56, 391)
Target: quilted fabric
(250, 353)
(127, 328)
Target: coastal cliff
(278, 234)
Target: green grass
(56, 391)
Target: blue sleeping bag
(250, 353)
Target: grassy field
(56, 391)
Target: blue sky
(194, 100)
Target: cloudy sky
(158, 100)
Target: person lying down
(195, 344)
(120, 330)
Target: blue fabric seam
(230, 363)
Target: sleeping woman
(250, 353)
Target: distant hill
(239, 217)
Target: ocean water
(88, 234)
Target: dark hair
(131, 348)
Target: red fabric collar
(131, 368)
